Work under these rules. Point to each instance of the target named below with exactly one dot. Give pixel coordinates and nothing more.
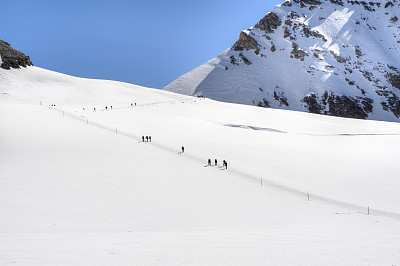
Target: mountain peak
(331, 57)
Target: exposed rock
(342, 106)
(311, 102)
(316, 34)
(288, 22)
(337, 2)
(287, 3)
(245, 60)
(389, 4)
(286, 33)
(392, 104)
(273, 48)
(298, 53)
(265, 103)
(280, 97)
(394, 80)
(12, 58)
(269, 23)
(338, 58)
(367, 104)
(246, 42)
(234, 60)
(309, 2)
(394, 19)
(293, 15)
(358, 52)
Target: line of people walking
(224, 163)
(148, 138)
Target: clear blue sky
(144, 42)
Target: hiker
(135, 104)
(142, 138)
(106, 107)
(183, 149)
(111, 106)
(209, 162)
(147, 138)
(215, 162)
(226, 165)
(94, 109)
(131, 104)
(150, 138)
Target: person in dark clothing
(209, 162)
(106, 107)
(183, 149)
(150, 138)
(226, 165)
(142, 138)
(215, 162)
(147, 138)
(111, 106)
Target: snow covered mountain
(334, 57)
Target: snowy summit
(334, 57)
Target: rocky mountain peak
(12, 58)
(332, 57)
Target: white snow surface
(344, 29)
(79, 187)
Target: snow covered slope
(79, 187)
(34, 84)
(335, 57)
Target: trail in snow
(261, 180)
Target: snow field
(81, 194)
(89, 196)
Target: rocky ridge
(12, 58)
(333, 57)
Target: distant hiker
(94, 109)
(135, 104)
(83, 109)
(142, 138)
(147, 138)
(183, 149)
(215, 162)
(131, 104)
(150, 138)
(209, 162)
(111, 106)
(226, 165)
(106, 107)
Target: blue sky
(144, 42)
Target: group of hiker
(148, 138)
(106, 108)
(224, 163)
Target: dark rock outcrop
(12, 58)
(309, 2)
(269, 23)
(246, 42)
(338, 105)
